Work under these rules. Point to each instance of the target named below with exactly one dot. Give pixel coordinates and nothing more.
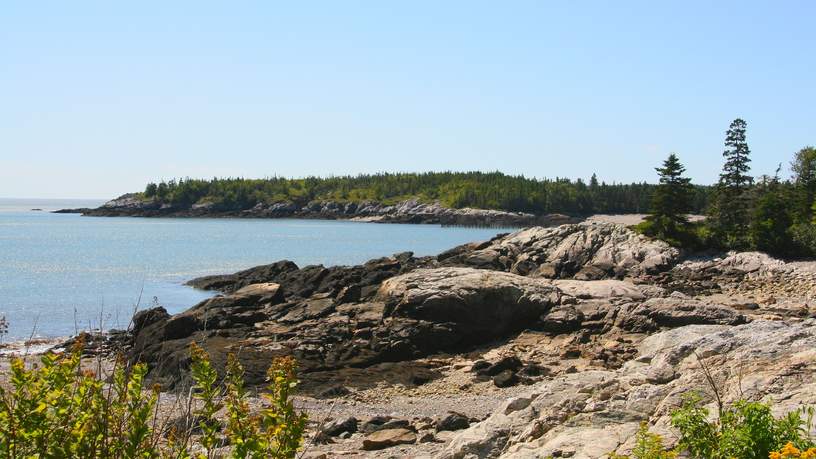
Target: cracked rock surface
(547, 341)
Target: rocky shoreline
(409, 211)
(544, 342)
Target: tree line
(742, 212)
(765, 213)
(485, 190)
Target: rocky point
(545, 342)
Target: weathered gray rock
(677, 312)
(601, 289)
(575, 413)
(597, 250)
(712, 274)
(477, 304)
(130, 201)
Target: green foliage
(682, 236)
(745, 430)
(647, 446)
(729, 214)
(671, 202)
(672, 198)
(59, 410)
(803, 236)
(771, 218)
(207, 391)
(804, 177)
(736, 154)
(492, 190)
(150, 190)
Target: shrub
(648, 446)
(686, 236)
(744, 430)
(804, 239)
(57, 409)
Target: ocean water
(60, 273)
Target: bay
(62, 273)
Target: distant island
(462, 198)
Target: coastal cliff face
(410, 211)
(544, 342)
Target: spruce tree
(730, 213)
(671, 201)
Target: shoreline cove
(589, 322)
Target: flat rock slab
(387, 438)
(600, 289)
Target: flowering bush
(744, 430)
(57, 409)
(791, 452)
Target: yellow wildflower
(790, 451)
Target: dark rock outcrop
(339, 426)
(401, 308)
(409, 211)
(408, 316)
(453, 421)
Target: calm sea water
(63, 272)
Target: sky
(98, 98)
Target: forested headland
(482, 190)
(767, 212)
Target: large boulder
(588, 251)
(481, 304)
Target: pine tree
(671, 201)
(729, 217)
(593, 182)
(595, 195)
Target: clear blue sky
(97, 98)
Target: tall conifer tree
(671, 200)
(729, 215)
